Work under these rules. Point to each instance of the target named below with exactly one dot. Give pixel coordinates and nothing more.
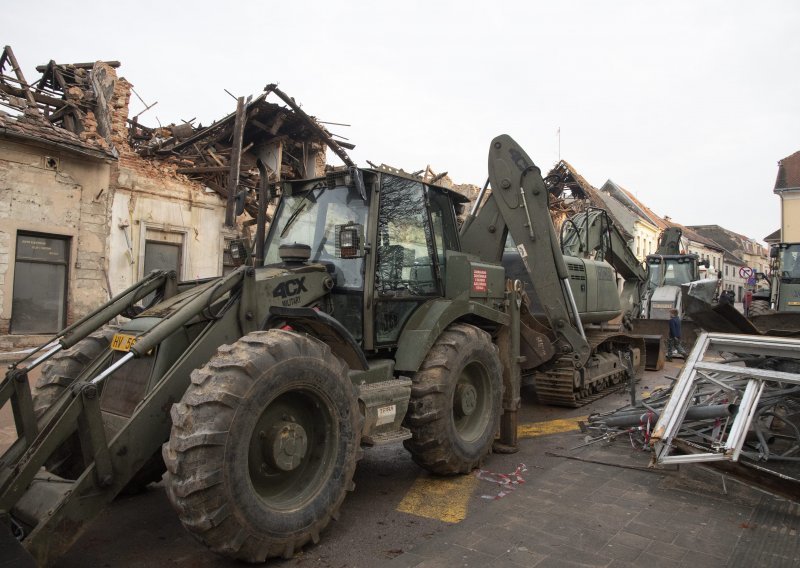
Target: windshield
(670, 271)
(311, 218)
(790, 261)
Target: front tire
(455, 405)
(263, 445)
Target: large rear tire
(263, 445)
(454, 411)
(58, 373)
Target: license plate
(122, 342)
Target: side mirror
(774, 252)
(350, 240)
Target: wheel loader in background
(774, 311)
(669, 270)
(783, 294)
(365, 319)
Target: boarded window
(163, 250)
(162, 256)
(40, 284)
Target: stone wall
(152, 201)
(106, 207)
(56, 193)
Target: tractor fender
(430, 320)
(326, 329)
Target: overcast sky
(689, 105)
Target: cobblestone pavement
(595, 506)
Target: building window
(39, 302)
(163, 250)
(162, 256)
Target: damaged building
(91, 199)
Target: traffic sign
(745, 272)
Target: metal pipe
(112, 368)
(44, 357)
(694, 413)
(261, 219)
(527, 213)
(114, 307)
(190, 309)
(478, 199)
(475, 205)
(573, 306)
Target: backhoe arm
(518, 205)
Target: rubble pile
(736, 401)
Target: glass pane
(444, 227)
(405, 265)
(311, 218)
(161, 256)
(38, 304)
(790, 262)
(50, 249)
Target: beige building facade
(787, 187)
(91, 202)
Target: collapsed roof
(77, 107)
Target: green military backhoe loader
(363, 318)
(365, 324)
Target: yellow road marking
(446, 498)
(441, 498)
(549, 427)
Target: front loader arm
(518, 205)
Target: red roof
(789, 172)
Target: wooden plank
(236, 155)
(114, 64)
(203, 169)
(9, 55)
(326, 137)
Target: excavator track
(604, 372)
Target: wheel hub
(285, 446)
(466, 399)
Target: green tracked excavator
(574, 321)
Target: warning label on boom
(478, 280)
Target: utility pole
(559, 143)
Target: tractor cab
(382, 236)
(672, 270)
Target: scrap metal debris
(508, 482)
(737, 399)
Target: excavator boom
(577, 363)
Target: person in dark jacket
(674, 345)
